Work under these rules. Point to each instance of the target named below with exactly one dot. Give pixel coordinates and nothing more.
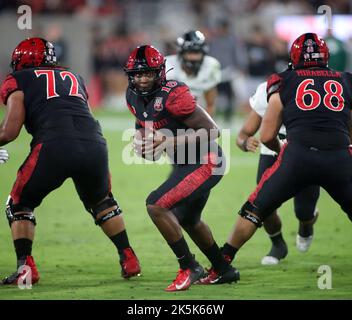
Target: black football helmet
(192, 41)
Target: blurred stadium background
(251, 40)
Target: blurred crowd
(201, 8)
(247, 55)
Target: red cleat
(130, 266)
(185, 278)
(24, 276)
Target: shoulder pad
(180, 102)
(274, 84)
(8, 86)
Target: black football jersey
(165, 110)
(317, 105)
(55, 101)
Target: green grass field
(76, 260)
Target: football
(142, 138)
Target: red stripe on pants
(25, 173)
(189, 184)
(267, 174)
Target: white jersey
(209, 75)
(259, 104)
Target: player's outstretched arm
(14, 118)
(245, 139)
(271, 123)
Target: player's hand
(4, 156)
(154, 146)
(251, 144)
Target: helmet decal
(309, 50)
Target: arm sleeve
(274, 85)
(180, 102)
(8, 86)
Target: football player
(304, 202)
(160, 104)
(52, 103)
(314, 103)
(193, 66)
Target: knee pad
(246, 212)
(105, 204)
(11, 209)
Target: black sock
(120, 241)
(216, 258)
(305, 230)
(277, 238)
(23, 248)
(228, 250)
(184, 256)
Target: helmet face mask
(191, 50)
(145, 69)
(309, 50)
(192, 61)
(144, 82)
(33, 52)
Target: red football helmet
(309, 50)
(33, 52)
(146, 58)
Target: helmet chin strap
(142, 93)
(153, 90)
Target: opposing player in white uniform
(194, 67)
(304, 202)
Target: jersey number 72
(50, 83)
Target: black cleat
(229, 276)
